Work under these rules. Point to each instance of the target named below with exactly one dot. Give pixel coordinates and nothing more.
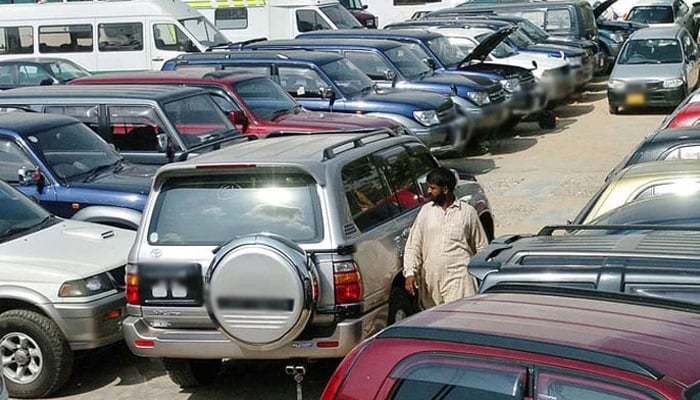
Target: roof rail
(281, 133)
(329, 152)
(548, 230)
(237, 45)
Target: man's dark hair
(443, 177)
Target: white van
(390, 11)
(105, 36)
(241, 20)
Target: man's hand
(411, 284)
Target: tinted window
(198, 119)
(398, 170)
(350, 79)
(447, 377)
(65, 70)
(447, 53)
(651, 14)
(310, 20)
(265, 98)
(65, 39)
(651, 51)
(12, 158)
(410, 65)
(134, 128)
(18, 214)
(370, 63)
(564, 386)
(226, 206)
(120, 37)
(422, 162)
(302, 82)
(33, 75)
(231, 18)
(16, 40)
(367, 194)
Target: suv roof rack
(330, 151)
(282, 133)
(548, 230)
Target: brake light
(348, 283)
(132, 285)
(332, 389)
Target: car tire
(547, 120)
(32, 338)
(400, 305)
(613, 110)
(191, 373)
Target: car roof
(181, 75)
(26, 123)
(422, 34)
(650, 340)
(309, 152)
(351, 42)
(663, 31)
(150, 92)
(657, 209)
(315, 57)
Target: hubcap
(21, 358)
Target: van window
(367, 194)
(170, 37)
(16, 40)
(341, 17)
(231, 18)
(65, 39)
(120, 37)
(203, 31)
(558, 20)
(310, 20)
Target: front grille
(496, 94)
(119, 277)
(644, 86)
(447, 114)
(527, 80)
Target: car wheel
(613, 110)
(401, 305)
(189, 373)
(36, 357)
(547, 120)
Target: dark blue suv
(70, 170)
(323, 81)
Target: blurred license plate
(635, 98)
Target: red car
(256, 104)
(530, 343)
(685, 115)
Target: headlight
(615, 84)
(479, 98)
(426, 117)
(511, 85)
(575, 61)
(86, 287)
(673, 83)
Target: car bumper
(489, 116)
(583, 74)
(656, 98)
(529, 102)
(559, 88)
(445, 137)
(208, 344)
(94, 324)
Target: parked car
(259, 105)
(435, 49)
(651, 261)
(326, 274)
(38, 71)
(659, 210)
(61, 290)
(392, 64)
(686, 114)
(661, 12)
(147, 124)
(359, 11)
(657, 67)
(68, 169)
(3, 388)
(612, 33)
(664, 144)
(323, 81)
(642, 181)
(529, 343)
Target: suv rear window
(211, 210)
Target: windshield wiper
(95, 172)
(14, 230)
(366, 90)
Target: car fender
(407, 122)
(33, 298)
(114, 216)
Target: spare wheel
(260, 291)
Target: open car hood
(481, 51)
(600, 8)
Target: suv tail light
(348, 282)
(132, 285)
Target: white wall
(389, 13)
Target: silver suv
(283, 248)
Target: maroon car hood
(323, 121)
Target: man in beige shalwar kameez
(445, 235)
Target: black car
(38, 71)
(665, 144)
(650, 261)
(657, 210)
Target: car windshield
(18, 214)
(520, 39)
(448, 54)
(533, 31)
(341, 17)
(501, 50)
(65, 70)
(348, 77)
(73, 151)
(407, 62)
(198, 120)
(203, 31)
(651, 14)
(265, 98)
(222, 207)
(651, 51)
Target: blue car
(70, 170)
(323, 81)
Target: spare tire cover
(260, 291)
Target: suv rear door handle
(158, 59)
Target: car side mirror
(46, 82)
(29, 175)
(430, 62)
(389, 75)
(534, 64)
(328, 93)
(163, 142)
(238, 117)
(364, 6)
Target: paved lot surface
(532, 178)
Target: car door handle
(158, 59)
